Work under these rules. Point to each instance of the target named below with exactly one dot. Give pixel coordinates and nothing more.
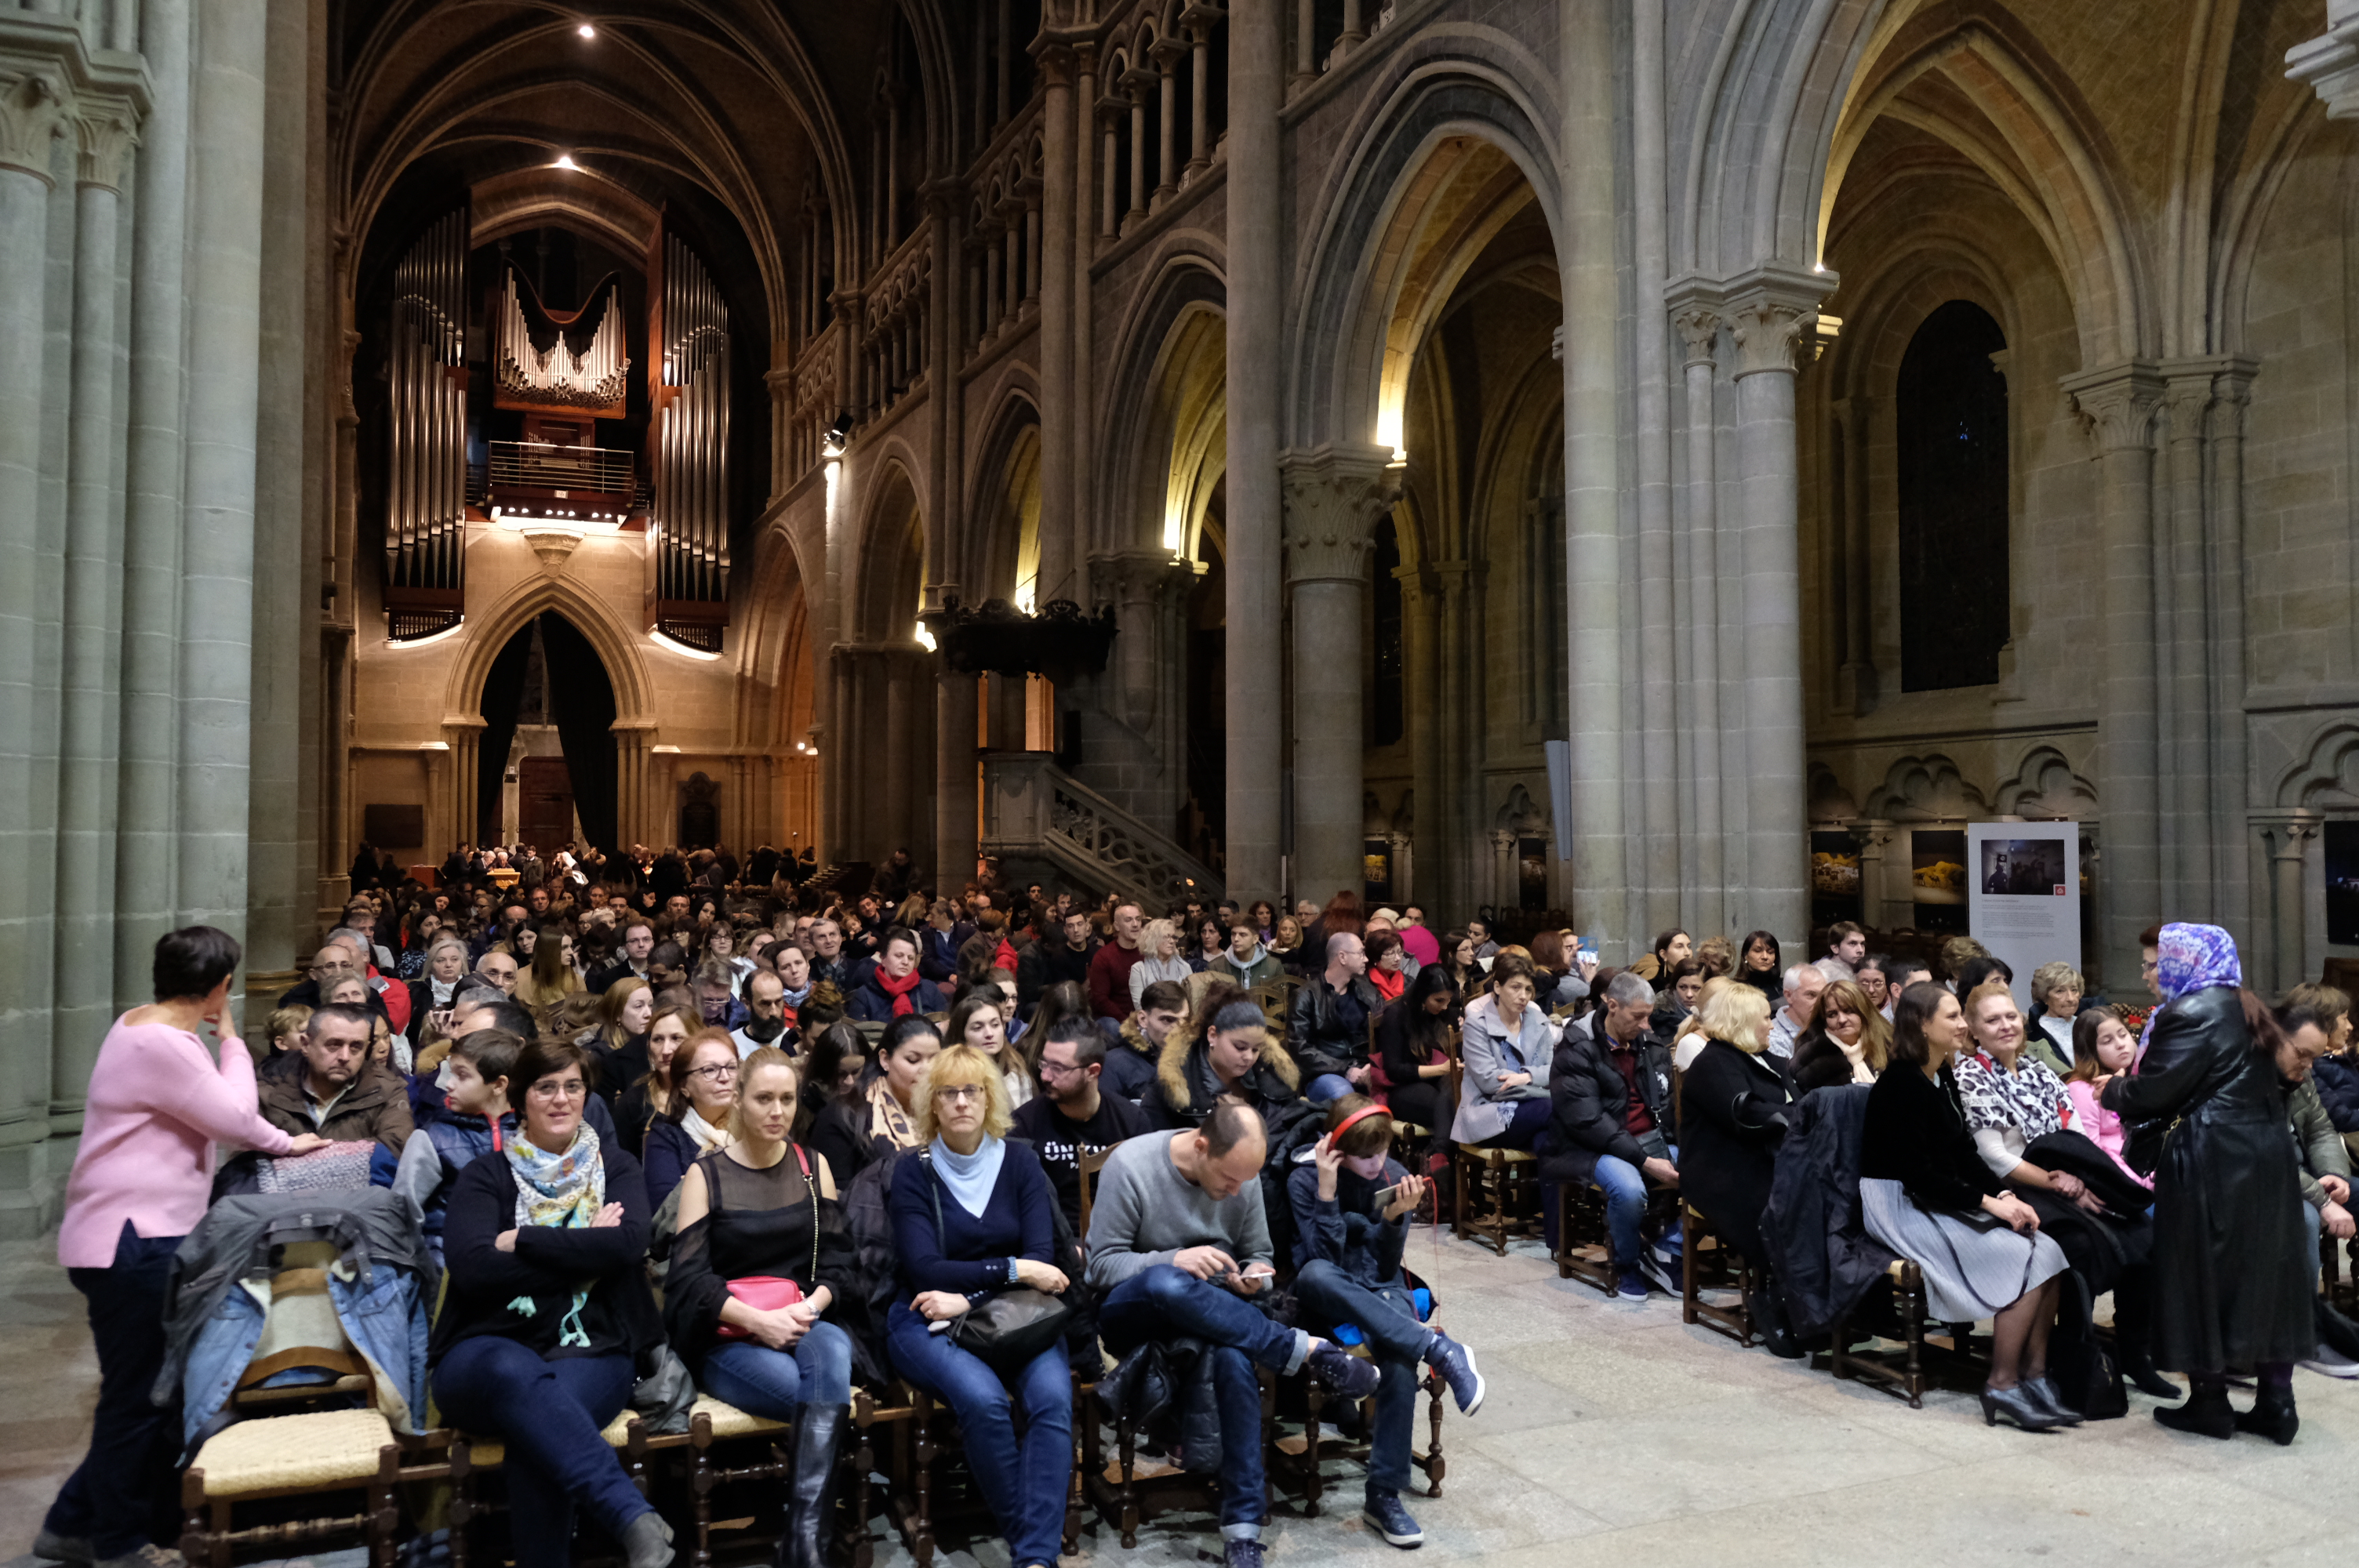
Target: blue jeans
(1165, 1303)
(1327, 1089)
(121, 1496)
(773, 1383)
(1027, 1485)
(1626, 1205)
(1395, 1339)
(549, 1413)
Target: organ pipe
(593, 381)
(692, 444)
(426, 469)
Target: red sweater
(1110, 980)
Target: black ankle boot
(2138, 1367)
(2206, 1413)
(2272, 1416)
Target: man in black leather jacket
(1327, 1023)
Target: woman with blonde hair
(974, 1214)
(761, 1206)
(1159, 959)
(1689, 1042)
(1732, 1118)
(1847, 1041)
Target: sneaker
(62, 1548)
(1666, 1278)
(1384, 1512)
(1632, 1288)
(1342, 1374)
(1241, 1551)
(2326, 1364)
(1455, 1362)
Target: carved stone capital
(1335, 497)
(105, 131)
(1699, 328)
(1772, 311)
(33, 109)
(1140, 577)
(2115, 405)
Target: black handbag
(1012, 1325)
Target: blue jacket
(2338, 1086)
(1367, 1250)
(870, 1004)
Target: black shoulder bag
(1008, 1326)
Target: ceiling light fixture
(565, 161)
(586, 31)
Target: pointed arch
(488, 631)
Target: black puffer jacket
(1819, 1248)
(2233, 1268)
(1589, 1100)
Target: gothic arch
(488, 631)
(1009, 457)
(1925, 789)
(891, 568)
(2327, 777)
(1442, 163)
(2047, 784)
(1134, 438)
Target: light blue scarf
(971, 1177)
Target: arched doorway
(547, 769)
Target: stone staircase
(1042, 825)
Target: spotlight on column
(838, 436)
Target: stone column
(91, 655)
(1398, 843)
(1667, 805)
(1256, 325)
(1875, 836)
(2289, 858)
(2116, 405)
(895, 668)
(1856, 675)
(1507, 887)
(224, 383)
(1060, 545)
(1705, 780)
(1334, 496)
(2224, 578)
(1198, 22)
(1081, 238)
(956, 826)
(1772, 309)
(2183, 733)
(147, 880)
(1167, 54)
(1590, 263)
(1421, 612)
(32, 112)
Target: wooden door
(544, 802)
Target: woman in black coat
(2232, 1262)
(1732, 1117)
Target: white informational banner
(2023, 895)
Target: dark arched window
(1386, 705)
(1951, 429)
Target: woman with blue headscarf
(2233, 1263)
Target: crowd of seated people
(574, 1075)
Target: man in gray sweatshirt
(1179, 1242)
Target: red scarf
(1377, 977)
(899, 991)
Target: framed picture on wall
(1834, 877)
(1937, 874)
(1377, 871)
(2341, 841)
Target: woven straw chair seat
(293, 1453)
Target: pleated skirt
(1970, 1274)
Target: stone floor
(1614, 1435)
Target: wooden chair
(1899, 1373)
(1499, 1175)
(2341, 1293)
(899, 1418)
(1706, 1263)
(327, 1454)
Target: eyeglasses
(957, 1092)
(719, 1072)
(1060, 1069)
(573, 1088)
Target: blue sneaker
(1384, 1512)
(1455, 1362)
(1633, 1287)
(1241, 1551)
(1344, 1375)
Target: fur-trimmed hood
(1185, 1074)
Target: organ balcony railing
(541, 466)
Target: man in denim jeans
(1178, 1240)
(1610, 1122)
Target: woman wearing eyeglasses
(700, 1086)
(548, 1315)
(972, 1214)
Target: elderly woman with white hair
(1159, 959)
(2056, 992)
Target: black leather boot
(2206, 1413)
(811, 1495)
(2272, 1416)
(2138, 1367)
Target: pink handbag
(768, 1293)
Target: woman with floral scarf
(548, 1315)
(2234, 1269)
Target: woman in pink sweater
(157, 1104)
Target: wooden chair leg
(1314, 1400)
(194, 1535)
(1434, 1465)
(463, 1500)
(384, 1507)
(1126, 1442)
(921, 1544)
(701, 1482)
(1912, 1290)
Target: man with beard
(765, 1007)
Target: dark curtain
(502, 696)
(582, 696)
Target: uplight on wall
(925, 638)
(1388, 432)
